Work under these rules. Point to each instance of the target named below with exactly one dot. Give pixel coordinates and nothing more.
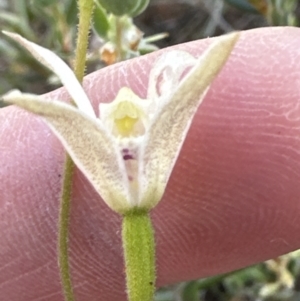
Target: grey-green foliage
(259, 282)
(243, 5)
(50, 23)
(282, 12)
(125, 7)
(100, 20)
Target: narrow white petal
(169, 128)
(87, 142)
(165, 76)
(61, 69)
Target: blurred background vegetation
(52, 24)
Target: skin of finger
(232, 200)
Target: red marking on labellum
(127, 157)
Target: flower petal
(165, 76)
(169, 128)
(61, 69)
(88, 143)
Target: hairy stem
(63, 230)
(139, 255)
(85, 14)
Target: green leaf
(243, 5)
(14, 23)
(124, 7)
(100, 21)
(148, 48)
(10, 19)
(190, 291)
(140, 8)
(43, 3)
(71, 12)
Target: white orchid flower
(129, 152)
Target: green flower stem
(85, 14)
(119, 29)
(139, 255)
(63, 230)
